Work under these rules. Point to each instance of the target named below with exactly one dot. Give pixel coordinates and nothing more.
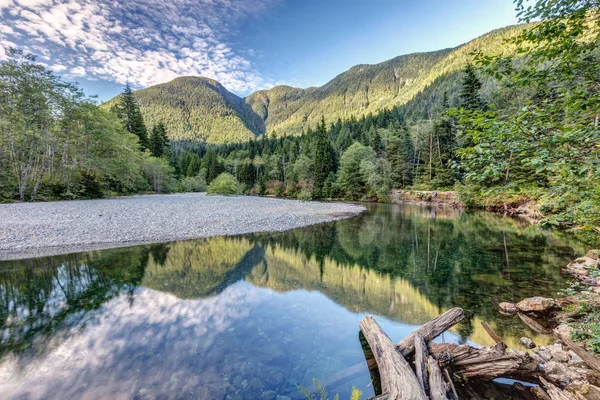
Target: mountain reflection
(243, 316)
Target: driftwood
(474, 368)
(587, 358)
(491, 332)
(488, 363)
(436, 380)
(421, 354)
(557, 394)
(398, 381)
(431, 330)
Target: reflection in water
(255, 315)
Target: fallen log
(436, 380)
(488, 363)
(398, 381)
(421, 355)
(557, 394)
(587, 358)
(431, 330)
(491, 332)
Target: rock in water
(538, 304)
(508, 308)
(528, 343)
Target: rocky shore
(36, 229)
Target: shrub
(305, 195)
(193, 184)
(224, 184)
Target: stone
(575, 361)
(593, 254)
(508, 308)
(257, 384)
(558, 354)
(528, 343)
(268, 395)
(537, 303)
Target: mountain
(195, 108)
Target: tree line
(56, 143)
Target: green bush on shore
(224, 184)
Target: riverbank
(39, 229)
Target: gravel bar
(40, 229)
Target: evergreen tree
(469, 92)
(129, 112)
(324, 160)
(158, 140)
(213, 168)
(400, 154)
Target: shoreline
(30, 230)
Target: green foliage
(193, 184)
(547, 134)
(159, 141)
(353, 165)
(469, 96)
(129, 112)
(56, 144)
(224, 184)
(324, 163)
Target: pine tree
(324, 160)
(400, 154)
(129, 111)
(158, 140)
(469, 92)
(213, 168)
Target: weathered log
(398, 381)
(437, 386)
(587, 358)
(450, 382)
(535, 325)
(557, 394)
(487, 363)
(421, 354)
(523, 391)
(539, 393)
(431, 330)
(491, 332)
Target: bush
(193, 184)
(224, 184)
(305, 195)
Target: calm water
(251, 317)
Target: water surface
(253, 316)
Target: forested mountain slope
(196, 108)
(201, 109)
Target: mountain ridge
(201, 109)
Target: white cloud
(143, 42)
(57, 67)
(78, 71)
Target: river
(254, 316)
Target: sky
(246, 45)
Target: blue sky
(244, 44)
